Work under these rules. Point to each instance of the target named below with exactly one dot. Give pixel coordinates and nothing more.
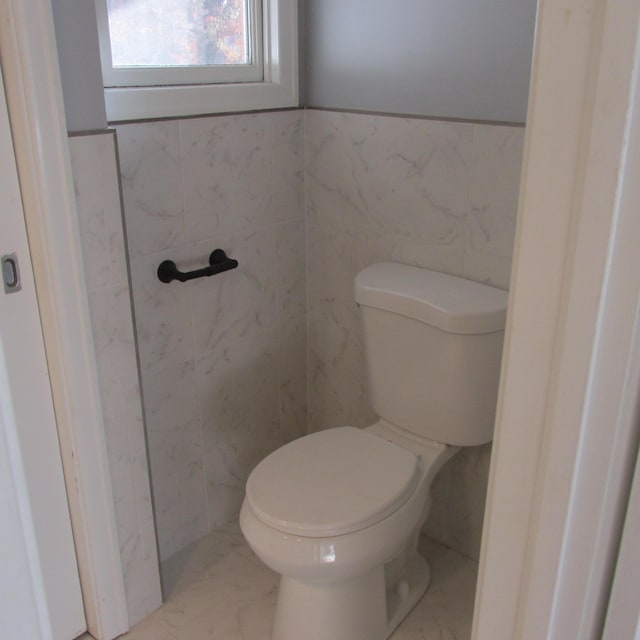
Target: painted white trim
(623, 616)
(279, 89)
(39, 577)
(30, 66)
(578, 558)
(150, 76)
(559, 397)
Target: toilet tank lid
(450, 303)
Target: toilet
(338, 513)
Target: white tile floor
(218, 590)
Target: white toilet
(338, 513)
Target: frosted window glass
(178, 33)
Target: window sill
(138, 103)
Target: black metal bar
(218, 262)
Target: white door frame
(32, 82)
(565, 432)
(623, 615)
(40, 593)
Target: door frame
(567, 429)
(623, 614)
(40, 592)
(34, 98)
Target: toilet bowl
(352, 551)
(338, 513)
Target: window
(164, 58)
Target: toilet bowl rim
(332, 482)
(431, 457)
(333, 557)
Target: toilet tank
(433, 345)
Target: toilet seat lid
(331, 483)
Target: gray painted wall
(448, 58)
(80, 69)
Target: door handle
(11, 273)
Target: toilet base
(407, 592)
(362, 608)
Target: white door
(40, 595)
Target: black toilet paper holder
(218, 263)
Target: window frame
(185, 74)
(278, 87)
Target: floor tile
(217, 589)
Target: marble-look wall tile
(152, 186)
(162, 311)
(175, 451)
(494, 187)
(397, 175)
(287, 165)
(466, 499)
(290, 270)
(239, 303)
(440, 195)
(234, 182)
(142, 584)
(337, 390)
(100, 216)
(98, 201)
(118, 376)
(459, 494)
(292, 377)
(239, 410)
(226, 171)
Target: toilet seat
(331, 483)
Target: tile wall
(223, 359)
(442, 195)
(98, 201)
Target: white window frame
(278, 87)
(187, 74)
